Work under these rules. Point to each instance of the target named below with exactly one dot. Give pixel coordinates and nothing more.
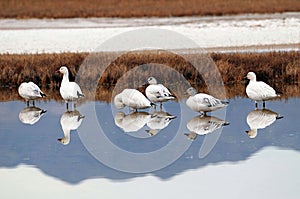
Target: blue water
(37, 144)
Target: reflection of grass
(275, 68)
(139, 8)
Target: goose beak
(57, 71)
(145, 84)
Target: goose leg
(74, 105)
(33, 103)
(67, 105)
(27, 103)
(256, 105)
(264, 104)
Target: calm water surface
(169, 152)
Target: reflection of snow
(60, 35)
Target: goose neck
(65, 78)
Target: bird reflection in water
(70, 120)
(132, 122)
(159, 120)
(31, 115)
(260, 119)
(202, 125)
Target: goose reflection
(70, 120)
(202, 125)
(260, 119)
(133, 121)
(159, 120)
(31, 115)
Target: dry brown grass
(276, 68)
(139, 8)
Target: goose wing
(206, 100)
(164, 91)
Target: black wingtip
(43, 111)
(226, 124)
(225, 102)
(80, 94)
(279, 117)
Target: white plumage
(31, 115)
(30, 91)
(202, 102)
(202, 125)
(131, 98)
(258, 90)
(131, 122)
(70, 120)
(157, 92)
(260, 119)
(69, 91)
(159, 120)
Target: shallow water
(102, 155)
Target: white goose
(258, 90)
(260, 119)
(31, 115)
(157, 92)
(70, 120)
(70, 91)
(131, 122)
(202, 102)
(202, 125)
(131, 98)
(30, 91)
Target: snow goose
(202, 102)
(131, 122)
(157, 92)
(260, 119)
(70, 91)
(70, 120)
(30, 91)
(258, 90)
(131, 98)
(31, 115)
(159, 120)
(202, 125)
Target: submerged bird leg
(67, 105)
(27, 103)
(264, 104)
(74, 105)
(256, 105)
(33, 103)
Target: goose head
(252, 133)
(191, 91)
(63, 70)
(151, 80)
(64, 140)
(192, 135)
(251, 76)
